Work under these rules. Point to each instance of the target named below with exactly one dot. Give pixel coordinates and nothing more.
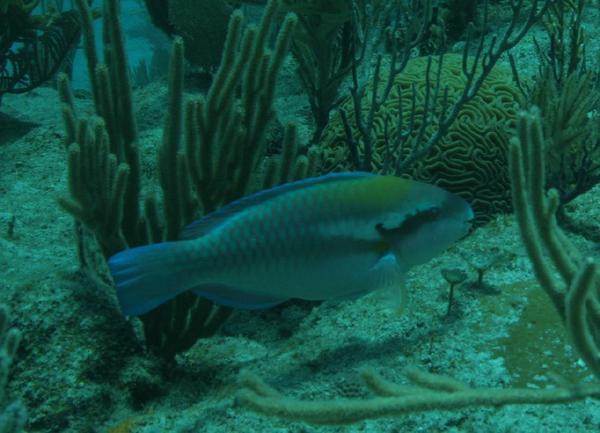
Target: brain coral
(470, 161)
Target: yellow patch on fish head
(382, 193)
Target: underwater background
(73, 363)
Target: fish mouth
(469, 227)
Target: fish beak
(470, 223)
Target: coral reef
(129, 176)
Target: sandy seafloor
(81, 367)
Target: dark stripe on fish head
(433, 224)
(410, 224)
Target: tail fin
(148, 276)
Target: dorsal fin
(214, 219)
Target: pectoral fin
(388, 278)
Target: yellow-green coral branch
(434, 394)
(579, 283)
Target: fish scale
(320, 238)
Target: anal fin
(235, 298)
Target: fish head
(423, 222)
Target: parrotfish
(337, 236)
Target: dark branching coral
(563, 25)
(323, 46)
(456, 15)
(470, 160)
(444, 22)
(328, 36)
(33, 47)
(568, 95)
(367, 115)
(573, 155)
